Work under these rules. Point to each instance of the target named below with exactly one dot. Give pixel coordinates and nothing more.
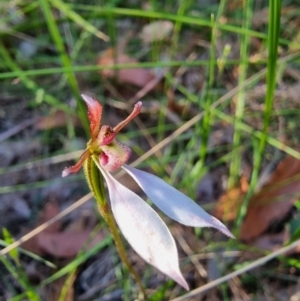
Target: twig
(251, 266)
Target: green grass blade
(59, 43)
(204, 103)
(58, 70)
(30, 254)
(19, 274)
(235, 166)
(79, 20)
(29, 84)
(182, 9)
(273, 40)
(190, 20)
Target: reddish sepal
(75, 168)
(94, 114)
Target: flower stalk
(95, 182)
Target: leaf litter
(138, 77)
(58, 242)
(271, 204)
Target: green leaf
(14, 254)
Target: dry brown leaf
(271, 203)
(274, 200)
(230, 202)
(57, 119)
(134, 76)
(50, 211)
(53, 241)
(66, 244)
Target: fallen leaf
(138, 77)
(66, 244)
(274, 200)
(57, 119)
(156, 31)
(229, 203)
(50, 211)
(62, 244)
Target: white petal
(173, 202)
(144, 229)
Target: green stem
(95, 181)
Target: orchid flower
(140, 224)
